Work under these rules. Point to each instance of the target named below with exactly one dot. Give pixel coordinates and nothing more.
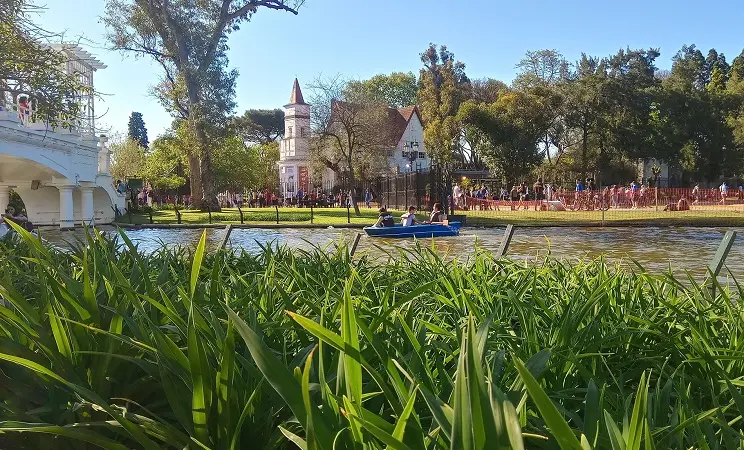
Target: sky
(360, 38)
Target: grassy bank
(335, 216)
(288, 216)
(104, 347)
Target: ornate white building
(406, 152)
(62, 174)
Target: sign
(304, 181)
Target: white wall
(414, 132)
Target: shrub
(107, 346)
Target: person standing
(539, 192)
(367, 198)
(724, 192)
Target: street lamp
(411, 147)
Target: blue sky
(360, 38)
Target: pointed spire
(296, 97)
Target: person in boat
(437, 215)
(20, 219)
(385, 219)
(409, 218)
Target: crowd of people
(585, 195)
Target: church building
(406, 152)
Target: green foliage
(193, 349)
(443, 87)
(136, 130)
(28, 65)
(127, 160)
(260, 126)
(512, 127)
(166, 164)
(396, 90)
(238, 166)
(189, 41)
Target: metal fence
(607, 206)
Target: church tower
(294, 147)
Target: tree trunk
(197, 121)
(195, 179)
(584, 150)
(352, 187)
(209, 191)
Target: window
(289, 131)
(422, 155)
(302, 131)
(404, 154)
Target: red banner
(304, 179)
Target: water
(657, 249)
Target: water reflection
(657, 249)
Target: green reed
(105, 347)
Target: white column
(66, 211)
(87, 207)
(4, 197)
(104, 155)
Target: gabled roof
(296, 97)
(399, 119)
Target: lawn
(261, 216)
(730, 216)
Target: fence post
(228, 230)
(209, 210)
(276, 207)
(312, 214)
(716, 264)
(356, 242)
(348, 213)
(505, 241)
(241, 214)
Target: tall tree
(352, 130)
(260, 125)
(189, 40)
(443, 87)
(396, 90)
(137, 131)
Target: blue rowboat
(416, 231)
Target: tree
(165, 166)
(352, 130)
(541, 67)
(396, 90)
(697, 119)
(189, 40)
(512, 127)
(30, 66)
(137, 131)
(486, 90)
(127, 159)
(582, 93)
(443, 87)
(260, 125)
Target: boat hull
(415, 231)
